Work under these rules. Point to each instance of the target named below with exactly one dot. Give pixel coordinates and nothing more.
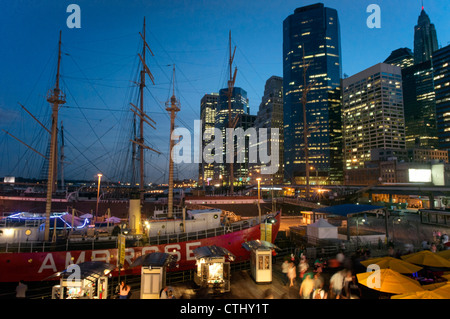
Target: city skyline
(97, 67)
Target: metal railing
(110, 242)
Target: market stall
(87, 280)
(213, 269)
(153, 273)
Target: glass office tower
(441, 65)
(208, 107)
(239, 107)
(425, 39)
(312, 33)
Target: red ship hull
(37, 266)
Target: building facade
(372, 113)
(239, 111)
(208, 107)
(311, 46)
(441, 66)
(425, 39)
(418, 99)
(270, 115)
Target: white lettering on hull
(190, 250)
(48, 259)
(130, 255)
(69, 261)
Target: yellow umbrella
(443, 290)
(389, 281)
(395, 264)
(419, 295)
(434, 286)
(427, 258)
(444, 253)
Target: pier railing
(110, 242)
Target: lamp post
(393, 232)
(357, 230)
(98, 195)
(259, 196)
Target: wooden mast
(141, 123)
(231, 123)
(55, 97)
(139, 111)
(173, 109)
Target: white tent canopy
(322, 229)
(113, 219)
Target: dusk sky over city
(100, 63)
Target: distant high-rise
(441, 65)
(270, 115)
(418, 85)
(425, 39)
(239, 107)
(312, 34)
(402, 58)
(372, 113)
(208, 107)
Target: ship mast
(173, 109)
(144, 118)
(56, 98)
(231, 123)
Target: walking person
(291, 274)
(285, 270)
(336, 284)
(303, 267)
(319, 292)
(307, 287)
(21, 290)
(346, 284)
(124, 290)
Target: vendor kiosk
(88, 280)
(153, 273)
(213, 269)
(260, 260)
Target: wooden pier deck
(243, 286)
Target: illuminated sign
(419, 175)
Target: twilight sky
(99, 68)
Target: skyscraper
(372, 113)
(441, 65)
(208, 107)
(418, 85)
(270, 115)
(425, 39)
(239, 107)
(402, 57)
(311, 45)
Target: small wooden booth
(213, 269)
(153, 273)
(87, 280)
(260, 260)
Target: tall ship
(34, 246)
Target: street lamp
(363, 220)
(259, 195)
(98, 194)
(393, 232)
